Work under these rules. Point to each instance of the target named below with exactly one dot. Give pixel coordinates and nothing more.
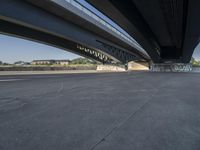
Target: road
(111, 111)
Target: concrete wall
(45, 68)
(109, 68)
(195, 69)
(174, 67)
(138, 66)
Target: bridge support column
(172, 67)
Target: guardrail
(103, 22)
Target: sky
(196, 53)
(14, 49)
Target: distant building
(62, 62)
(42, 62)
(20, 63)
(50, 62)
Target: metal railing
(103, 22)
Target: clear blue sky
(196, 53)
(14, 49)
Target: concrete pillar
(126, 66)
(171, 67)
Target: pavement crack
(126, 119)
(119, 125)
(61, 87)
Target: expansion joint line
(125, 120)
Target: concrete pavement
(7, 73)
(112, 111)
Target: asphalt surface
(111, 111)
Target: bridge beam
(130, 19)
(23, 19)
(41, 37)
(166, 29)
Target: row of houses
(44, 62)
(50, 62)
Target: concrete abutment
(171, 67)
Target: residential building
(50, 62)
(43, 62)
(62, 62)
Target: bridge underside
(22, 19)
(28, 33)
(167, 29)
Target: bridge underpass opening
(195, 60)
(18, 54)
(39, 56)
(180, 67)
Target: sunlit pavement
(112, 111)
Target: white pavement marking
(10, 80)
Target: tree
(192, 60)
(82, 61)
(1, 62)
(18, 62)
(195, 62)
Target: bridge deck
(113, 111)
